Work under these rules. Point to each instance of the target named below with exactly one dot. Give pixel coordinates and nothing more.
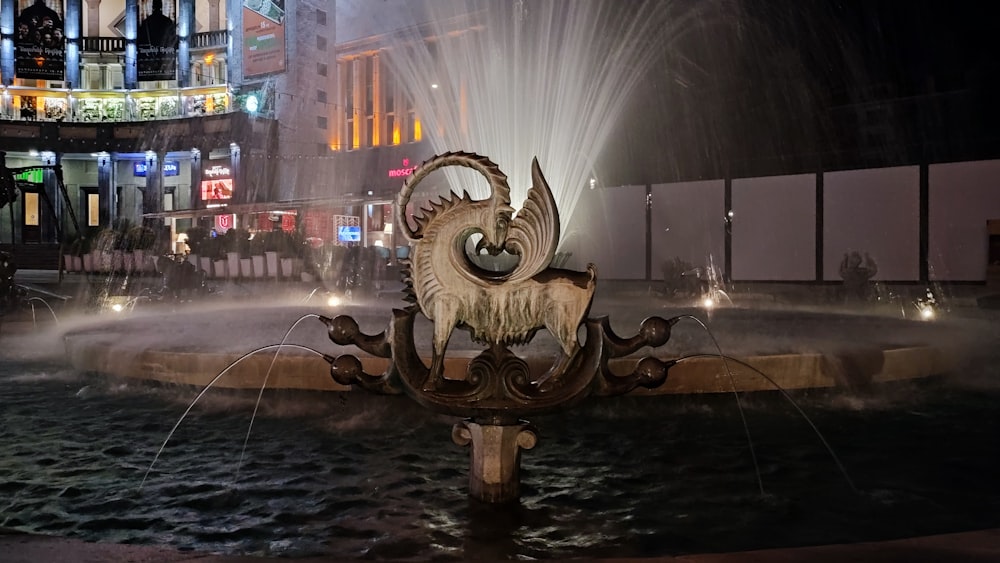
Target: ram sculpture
(498, 308)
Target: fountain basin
(794, 349)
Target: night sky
(781, 86)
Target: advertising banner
(39, 41)
(156, 41)
(263, 37)
(217, 182)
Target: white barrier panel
(875, 211)
(688, 223)
(963, 196)
(608, 228)
(774, 228)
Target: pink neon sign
(403, 172)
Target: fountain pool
(349, 475)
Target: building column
(72, 28)
(106, 190)
(196, 176)
(50, 217)
(131, 30)
(240, 194)
(152, 194)
(185, 29)
(7, 42)
(93, 18)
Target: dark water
(378, 478)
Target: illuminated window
(93, 210)
(351, 139)
(31, 209)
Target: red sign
(224, 222)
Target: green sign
(33, 176)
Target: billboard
(215, 190)
(156, 42)
(217, 182)
(263, 37)
(39, 40)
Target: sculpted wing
(534, 231)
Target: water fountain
(540, 79)
(634, 476)
(499, 309)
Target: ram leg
(443, 326)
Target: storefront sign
(224, 222)
(218, 171)
(170, 168)
(403, 172)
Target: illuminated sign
(403, 172)
(224, 222)
(170, 168)
(347, 233)
(217, 189)
(218, 171)
(33, 176)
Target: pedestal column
(495, 459)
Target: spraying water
(546, 79)
(263, 386)
(205, 390)
(736, 395)
(34, 320)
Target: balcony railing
(205, 40)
